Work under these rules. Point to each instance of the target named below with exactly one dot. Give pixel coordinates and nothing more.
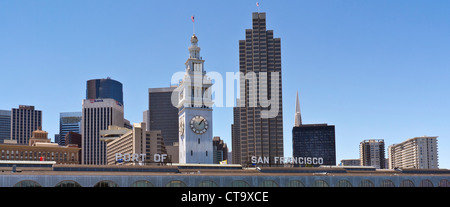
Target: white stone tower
(195, 111)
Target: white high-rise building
(195, 111)
(97, 115)
(417, 152)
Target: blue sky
(374, 69)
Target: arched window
(407, 183)
(239, 183)
(208, 183)
(387, 183)
(27, 183)
(68, 183)
(444, 183)
(295, 183)
(106, 183)
(268, 183)
(320, 183)
(426, 183)
(176, 183)
(142, 183)
(366, 183)
(344, 183)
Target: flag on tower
(192, 18)
(257, 4)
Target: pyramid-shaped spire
(298, 116)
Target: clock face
(199, 125)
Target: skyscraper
(371, 153)
(5, 125)
(313, 141)
(68, 122)
(24, 120)
(417, 152)
(259, 110)
(97, 115)
(104, 88)
(162, 115)
(102, 107)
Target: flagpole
(193, 24)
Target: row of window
(241, 183)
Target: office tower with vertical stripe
(98, 114)
(259, 55)
(24, 120)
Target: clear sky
(376, 69)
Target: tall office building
(314, 143)
(104, 88)
(97, 115)
(161, 114)
(68, 122)
(260, 106)
(220, 150)
(417, 152)
(5, 125)
(235, 131)
(371, 153)
(24, 120)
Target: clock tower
(195, 111)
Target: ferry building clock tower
(195, 111)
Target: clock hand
(201, 122)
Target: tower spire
(298, 115)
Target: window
(192, 153)
(198, 140)
(207, 153)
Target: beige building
(417, 152)
(123, 143)
(371, 153)
(40, 149)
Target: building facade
(104, 88)
(372, 152)
(350, 162)
(40, 149)
(137, 141)
(220, 150)
(417, 152)
(68, 122)
(195, 110)
(162, 114)
(98, 114)
(260, 105)
(24, 120)
(314, 141)
(5, 125)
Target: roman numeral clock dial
(199, 124)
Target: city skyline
(381, 75)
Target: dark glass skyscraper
(5, 125)
(104, 88)
(260, 124)
(314, 141)
(162, 115)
